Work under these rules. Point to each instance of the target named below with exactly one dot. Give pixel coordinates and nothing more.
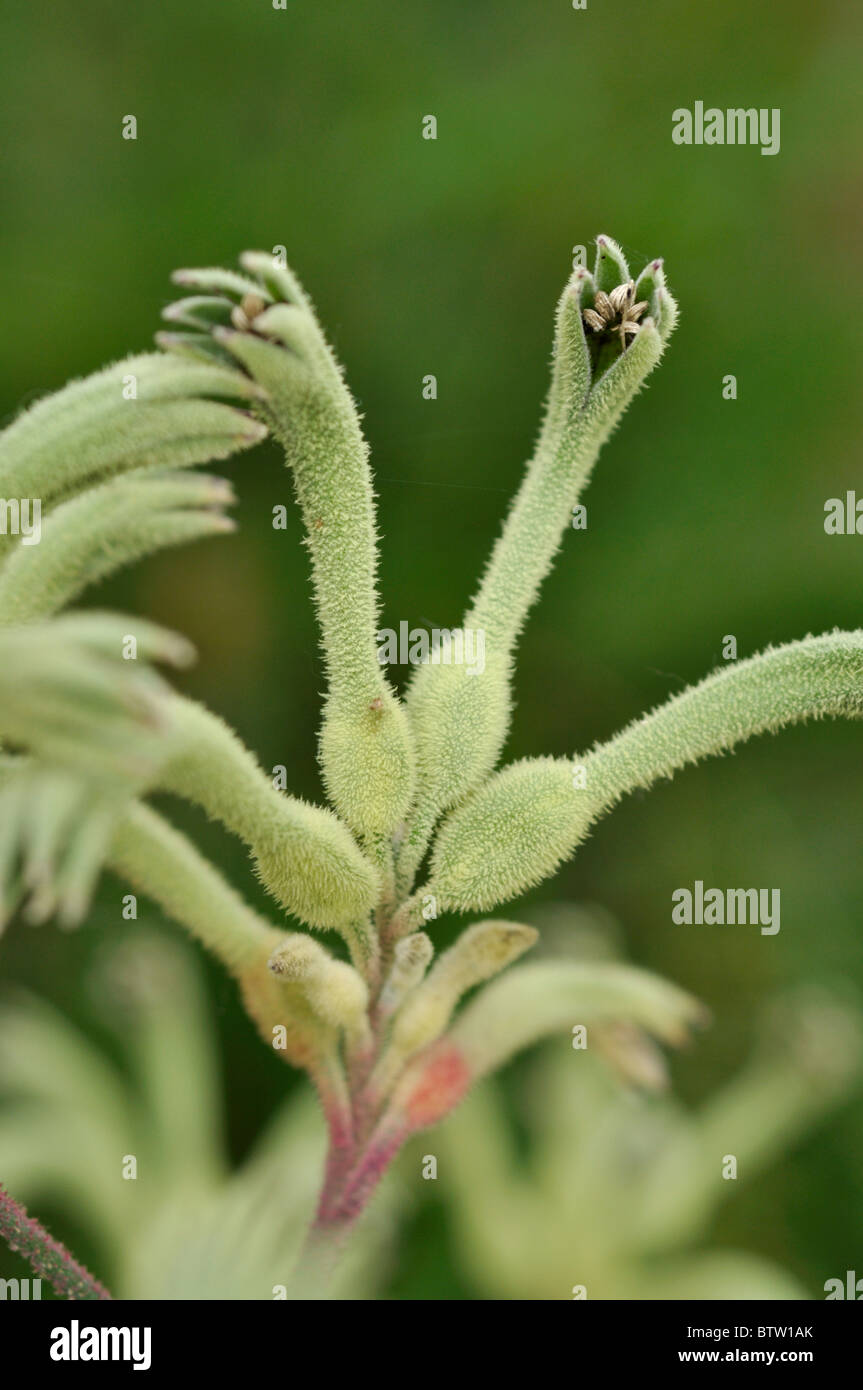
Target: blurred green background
(302, 127)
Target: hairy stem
(51, 1260)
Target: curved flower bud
(532, 815)
(106, 527)
(335, 991)
(305, 856)
(365, 744)
(67, 694)
(153, 410)
(514, 832)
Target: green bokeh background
(302, 127)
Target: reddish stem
(367, 1172)
(44, 1254)
(336, 1103)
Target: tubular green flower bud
(91, 536)
(162, 863)
(365, 744)
(540, 998)
(508, 1015)
(304, 855)
(514, 832)
(814, 678)
(335, 991)
(460, 721)
(532, 815)
(154, 410)
(67, 695)
(159, 861)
